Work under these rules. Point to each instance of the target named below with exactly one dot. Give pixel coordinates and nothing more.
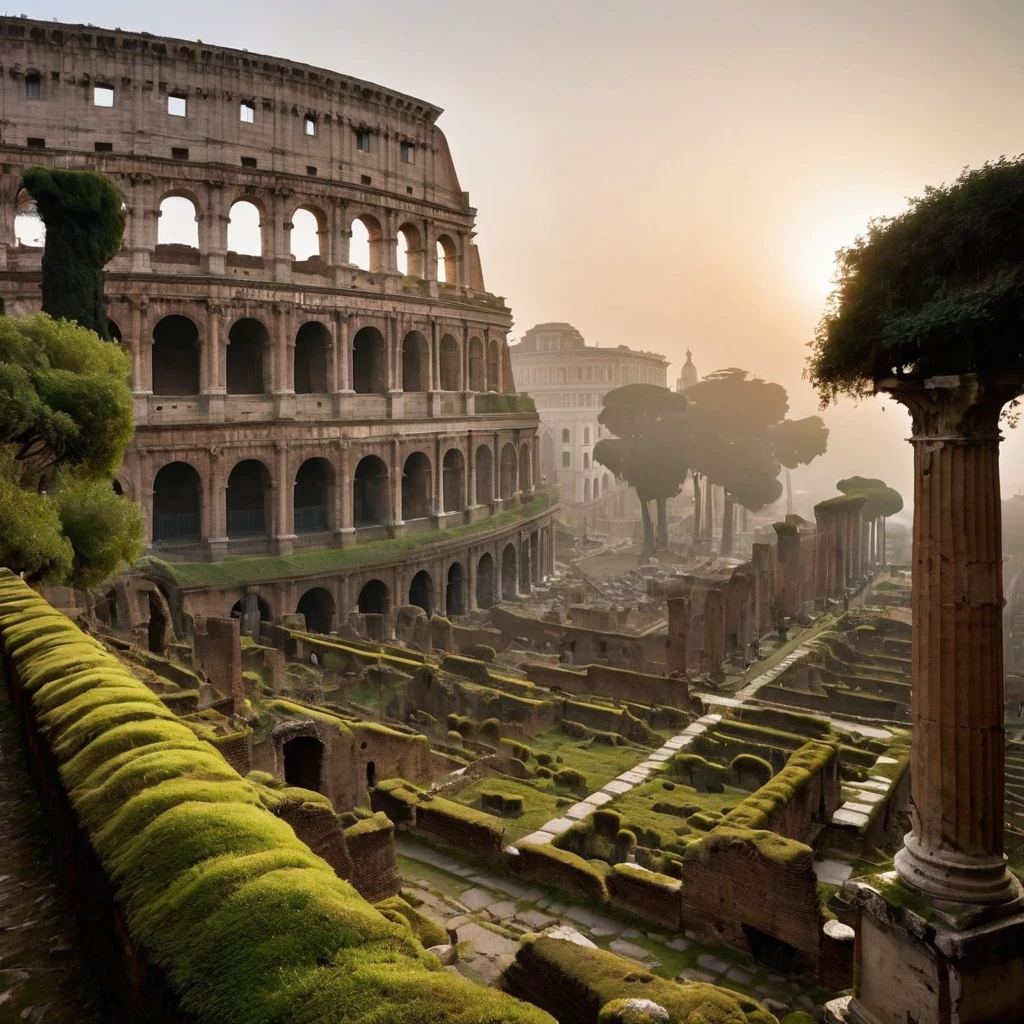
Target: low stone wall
(318, 827)
(371, 847)
(646, 894)
(617, 683)
(236, 749)
(755, 891)
(561, 870)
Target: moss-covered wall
(218, 896)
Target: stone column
(217, 497)
(788, 560)
(284, 511)
(678, 634)
(824, 557)
(955, 848)
(714, 633)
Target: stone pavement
(487, 913)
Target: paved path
(656, 762)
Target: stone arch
(29, 229)
(250, 611)
(485, 581)
(455, 590)
(586, 460)
(415, 363)
(493, 364)
(177, 222)
(114, 329)
(313, 496)
(604, 484)
(586, 490)
(477, 367)
(409, 258)
(525, 467)
(304, 762)
(416, 479)
(317, 606)
(175, 356)
(507, 472)
(421, 592)
(447, 260)
(370, 492)
(509, 573)
(309, 234)
(248, 499)
(566, 436)
(448, 359)
(366, 249)
(248, 357)
(484, 475)
(453, 471)
(586, 435)
(369, 362)
(524, 568)
(312, 345)
(374, 598)
(177, 503)
(246, 220)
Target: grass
(235, 571)
(539, 803)
(599, 762)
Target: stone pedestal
(916, 964)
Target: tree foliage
(65, 421)
(883, 501)
(651, 448)
(937, 289)
(84, 227)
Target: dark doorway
(312, 344)
(175, 356)
(157, 631)
(369, 362)
(455, 593)
(248, 341)
(508, 574)
(371, 774)
(317, 606)
(177, 497)
(373, 598)
(370, 492)
(485, 582)
(416, 479)
(248, 496)
(773, 952)
(303, 762)
(421, 591)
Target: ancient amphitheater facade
(287, 401)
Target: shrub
(572, 779)
(482, 653)
(490, 732)
(606, 823)
(625, 838)
(576, 730)
(752, 772)
(543, 773)
(544, 758)
(516, 749)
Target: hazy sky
(671, 173)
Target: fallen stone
(832, 872)
(740, 976)
(537, 920)
(692, 974)
(712, 963)
(679, 944)
(501, 911)
(634, 952)
(569, 934)
(477, 898)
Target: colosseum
(326, 416)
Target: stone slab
(537, 920)
(618, 787)
(857, 808)
(502, 910)
(633, 951)
(558, 825)
(692, 974)
(598, 799)
(832, 872)
(580, 810)
(845, 817)
(569, 934)
(539, 837)
(740, 976)
(477, 898)
(712, 963)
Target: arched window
(604, 484)
(477, 368)
(421, 591)
(416, 487)
(452, 480)
(415, 363)
(493, 364)
(507, 473)
(313, 496)
(370, 492)
(317, 606)
(248, 499)
(373, 598)
(447, 260)
(312, 344)
(29, 229)
(525, 475)
(485, 581)
(177, 501)
(409, 258)
(175, 356)
(369, 362)
(565, 436)
(484, 475)
(247, 357)
(455, 591)
(245, 230)
(586, 461)
(366, 249)
(586, 435)
(178, 223)
(307, 235)
(449, 359)
(509, 573)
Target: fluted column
(955, 848)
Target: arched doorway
(416, 487)
(312, 344)
(485, 581)
(248, 344)
(525, 476)
(177, 502)
(455, 591)
(452, 480)
(509, 573)
(415, 363)
(371, 774)
(409, 258)
(251, 610)
(493, 364)
(158, 627)
(369, 362)
(303, 762)
(175, 356)
(373, 598)
(421, 592)
(317, 605)
(477, 369)
(484, 475)
(248, 499)
(312, 496)
(449, 360)
(370, 492)
(524, 568)
(507, 474)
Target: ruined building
(288, 401)
(569, 380)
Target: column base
(346, 537)
(913, 965)
(953, 878)
(284, 544)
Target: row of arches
(178, 493)
(365, 243)
(177, 359)
(596, 489)
(502, 582)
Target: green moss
(428, 932)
